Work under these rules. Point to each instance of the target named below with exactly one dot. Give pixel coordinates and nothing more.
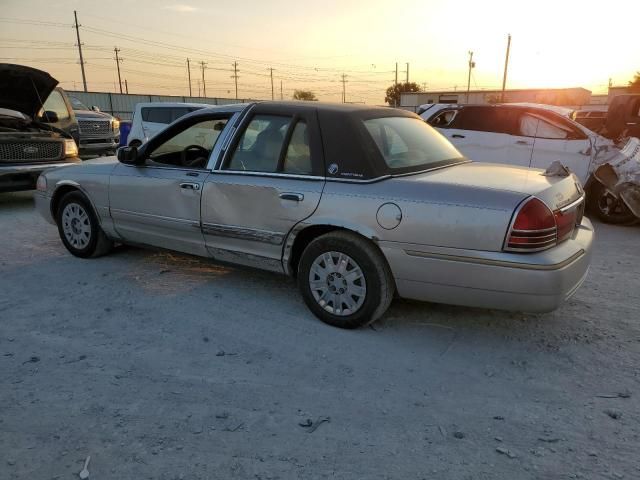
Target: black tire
(378, 279)
(93, 242)
(608, 209)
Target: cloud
(180, 7)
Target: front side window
(55, 103)
(409, 143)
(191, 147)
(442, 119)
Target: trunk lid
(556, 191)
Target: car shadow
(12, 200)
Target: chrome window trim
(268, 174)
(173, 169)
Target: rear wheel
(344, 280)
(607, 208)
(79, 228)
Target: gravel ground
(164, 366)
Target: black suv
(31, 139)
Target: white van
(151, 118)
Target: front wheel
(607, 208)
(79, 228)
(344, 280)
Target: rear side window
(409, 143)
(165, 115)
(261, 144)
(485, 119)
(157, 115)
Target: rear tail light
(534, 227)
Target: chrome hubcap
(337, 283)
(76, 225)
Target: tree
(634, 85)
(307, 95)
(393, 92)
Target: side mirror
(95, 108)
(128, 155)
(49, 117)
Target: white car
(150, 118)
(533, 136)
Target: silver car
(360, 204)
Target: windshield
(77, 104)
(408, 143)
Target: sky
(311, 45)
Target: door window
(165, 115)
(189, 148)
(55, 103)
(485, 119)
(442, 119)
(261, 144)
(298, 158)
(532, 126)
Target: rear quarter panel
(432, 214)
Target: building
(568, 97)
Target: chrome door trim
(243, 233)
(182, 221)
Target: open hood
(24, 89)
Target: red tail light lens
(566, 222)
(534, 228)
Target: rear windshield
(409, 143)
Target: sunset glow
(309, 46)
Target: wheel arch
(67, 186)
(304, 233)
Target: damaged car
(536, 136)
(29, 143)
(359, 204)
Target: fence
(122, 105)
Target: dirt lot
(162, 366)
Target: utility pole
(344, 88)
(126, 86)
(204, 84)
(235, 76)
(189, 75)
(471, 65)
(407, 72)
(272, 94)
(198, 80)
(84, 78)
(395, 83)
(506, 66)
(118, 60)
(281, 97)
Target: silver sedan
(360, 204)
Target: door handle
(190, 186)
(522, 142)
(296, 197)
(457, 135)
